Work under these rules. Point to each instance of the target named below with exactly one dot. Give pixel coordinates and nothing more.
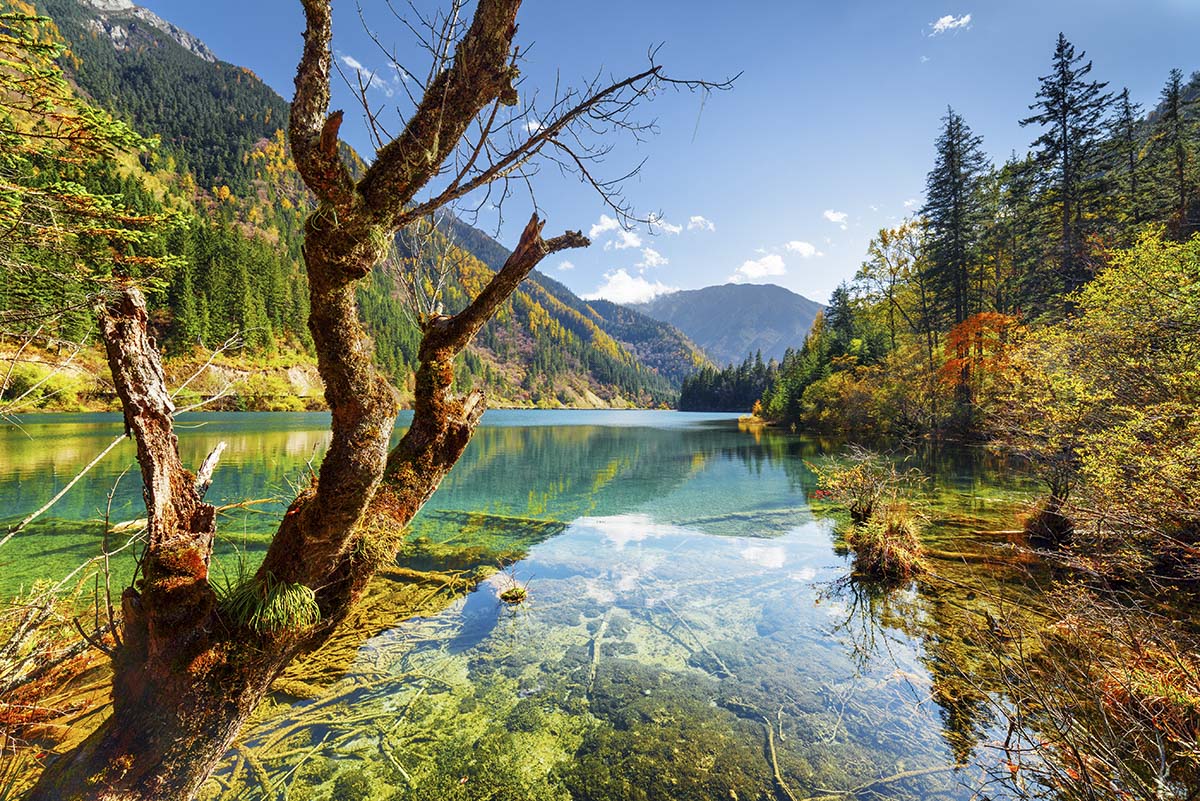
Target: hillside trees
(1171, 153)
(190, 666)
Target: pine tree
(1070, 110)
(1125, 145)
(1170, 152)
(954, 215)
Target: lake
(689, 630)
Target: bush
(887, 547)
(863, 481)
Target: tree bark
(187, 671)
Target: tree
(1125, 142)
(953, 214)
(1170, 151)
(190, 666)
(1069, 108)
(53, 216)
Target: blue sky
(826, 137)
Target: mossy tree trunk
(188, 672)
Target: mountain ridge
(732, 321)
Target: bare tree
(192, 666)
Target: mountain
(658, 345)
(734, 321)
(224, 161)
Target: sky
(825, 138)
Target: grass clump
(885, 530)
(887, 546)
(266, 605)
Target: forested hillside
(230, 262)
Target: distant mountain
(224, 159)
(734, 321)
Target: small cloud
(651, 258)
(699, 223)
(602, 227)
(949, 23)
(925, 59)
(533, 126)
(373, 79)
(656, 221)
(621, 287)
(807, 250)
(624, 241)
(564, 266)
(912, 201)
(836, 217)
(752, 269)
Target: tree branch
(481, 73)
(455, 332)
(312, 131)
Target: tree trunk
(188, 672)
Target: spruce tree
(1170, 151)
(1070, 110)
(1125, 146)
(954, 213)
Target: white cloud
(769, 556)
(373, 79)
(807, 250)
(925, 59)
(533, 126)
(651, 258)
(699, 223)
(565, 265)
(836, 217)
(624, 241)
(602, 227)
(752, 269)
(912, 201)
(656, 221)
(949, 23)
(621, 287)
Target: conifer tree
(1069, 109)
(1125, 145)
(953, 213)
(1170, 151)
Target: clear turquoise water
(686, 599)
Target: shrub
(887, 546)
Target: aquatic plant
(862, 481)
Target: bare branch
(453, 333)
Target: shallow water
(688, 629)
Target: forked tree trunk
(187, 671)
(187, 674)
